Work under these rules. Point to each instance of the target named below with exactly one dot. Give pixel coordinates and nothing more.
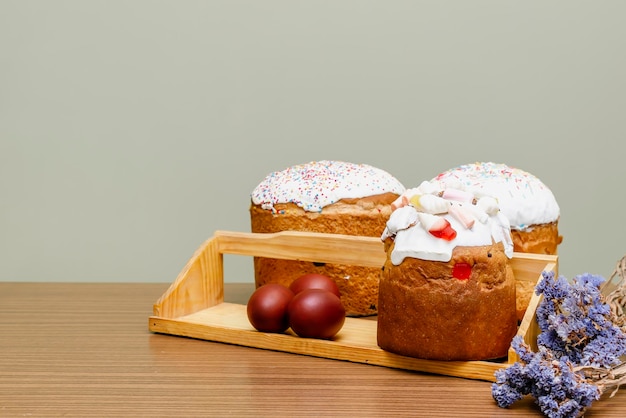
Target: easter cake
(447, 291)
(529, 205)
(325, 196)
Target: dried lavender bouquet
(581, 347)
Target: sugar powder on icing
(317, 184)
(522, 197)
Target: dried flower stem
(605, 379)
(612, 378)
(616, 298)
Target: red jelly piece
(461, 271)
(448, 233)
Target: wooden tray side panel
(529, 328)
(198, 286)
(527, 265)
(479, 370)
(306, 246)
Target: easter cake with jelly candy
(447, 291)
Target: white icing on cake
(317, 184)
(476, 221)
(522, 197)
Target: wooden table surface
(84, 349)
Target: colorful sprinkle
(317, 184)
(521, 196)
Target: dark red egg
(316, 313)
(267, 308)
(314, 281)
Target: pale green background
(131, 130)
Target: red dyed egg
(314, 281)
(316, 313)
(267, 308)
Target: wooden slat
(356, 342)
(199, 285)
(527, 266)
(529, 328)
(306, 246)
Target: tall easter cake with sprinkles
(326, 196)
(526, 201)
(447, 291)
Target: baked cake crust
(537, 239)
(425, 312)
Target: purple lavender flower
(558, 390)
(576, 322)
(577, 330)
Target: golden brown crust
(523, 292)
(361, 217)
(538, 239)
(426, 313)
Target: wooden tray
(193, 306)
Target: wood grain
(356, 342)
(307, 246)
(83, 350)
